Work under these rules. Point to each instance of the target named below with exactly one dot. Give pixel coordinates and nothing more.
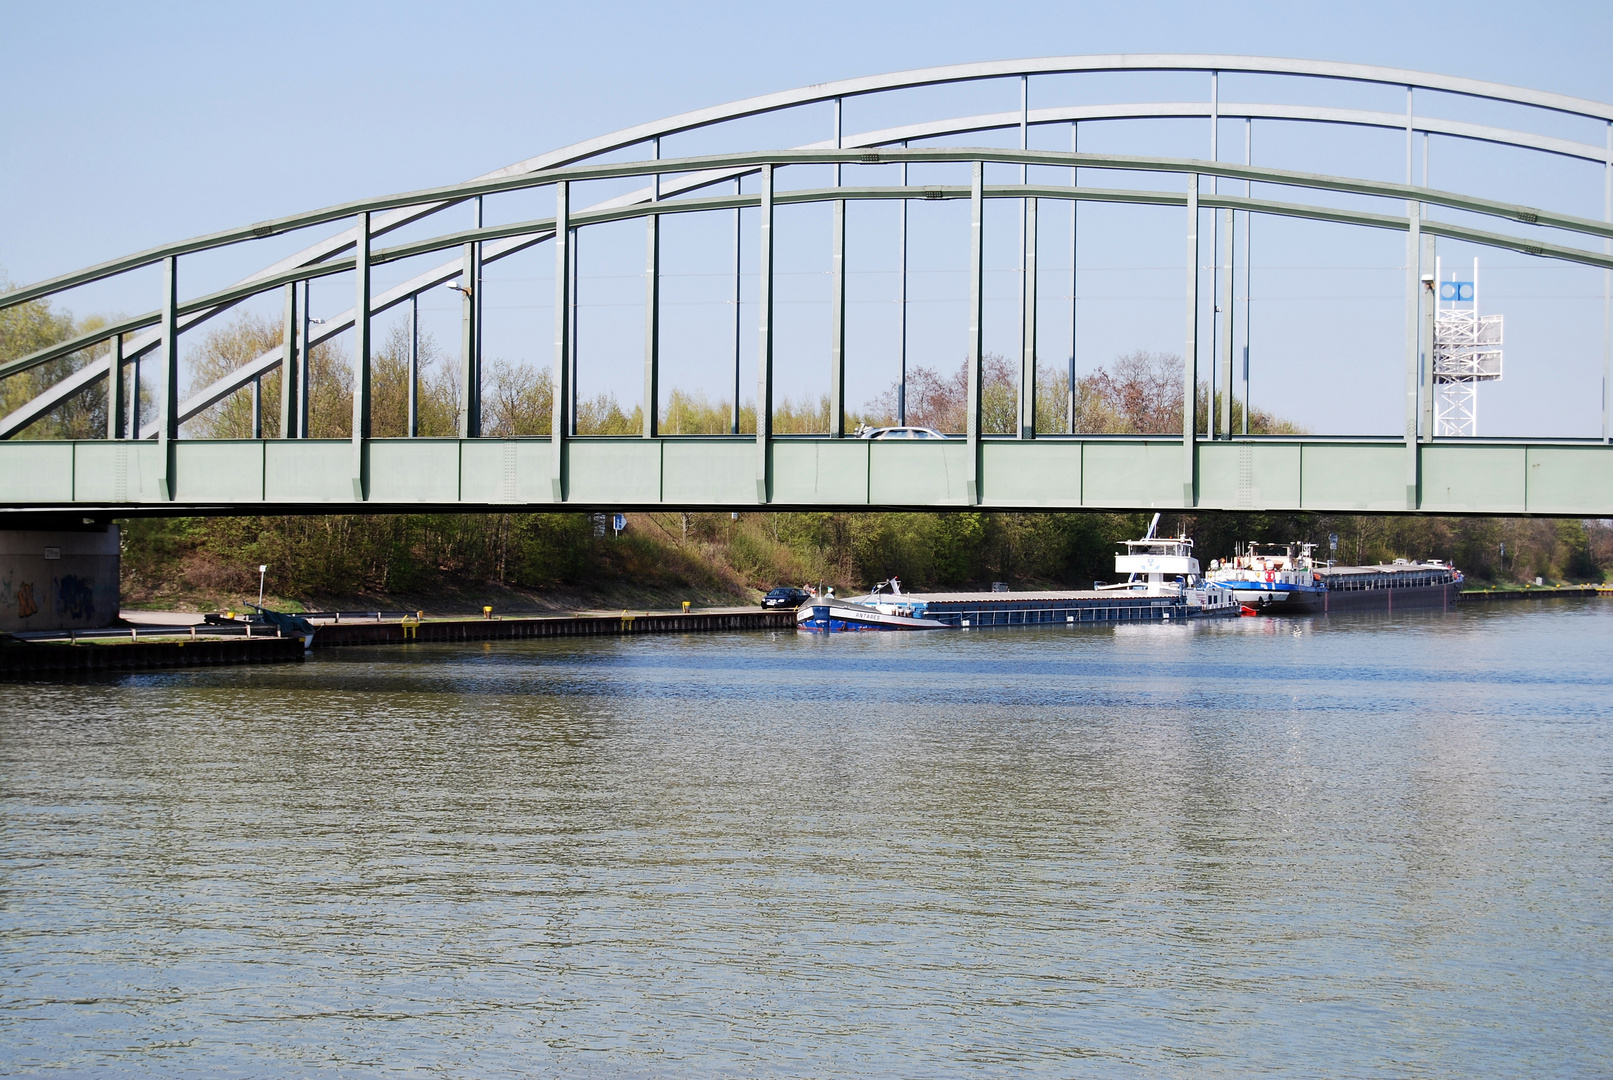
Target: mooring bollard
(487, 612)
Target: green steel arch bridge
(143, 466)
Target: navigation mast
(1467, 351)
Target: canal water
(1347, 846)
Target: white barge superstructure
(1277, 579)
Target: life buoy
(1271, 575)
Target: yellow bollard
(487, 612)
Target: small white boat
(885, 608)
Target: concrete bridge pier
(59, 578)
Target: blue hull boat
(883, 609)
(841, 615)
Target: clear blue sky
(129, 125)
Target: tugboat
(1274, 579)
(884, 608)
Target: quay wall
(19, 659)
(1543, 592)
(449, 630)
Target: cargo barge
(979, 610)
(1284, 579)
(1397, 586)
(1163, 585)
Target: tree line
(718, 554)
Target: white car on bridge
(899, 433)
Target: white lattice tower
(1467, 351)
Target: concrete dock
(168, 641)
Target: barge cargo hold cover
(970, 610)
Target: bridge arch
(684, 185)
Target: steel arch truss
(151, 469)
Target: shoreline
(173, 644)
(181, 639)
(1536, 592)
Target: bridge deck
(721, 473)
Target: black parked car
(784, 597)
